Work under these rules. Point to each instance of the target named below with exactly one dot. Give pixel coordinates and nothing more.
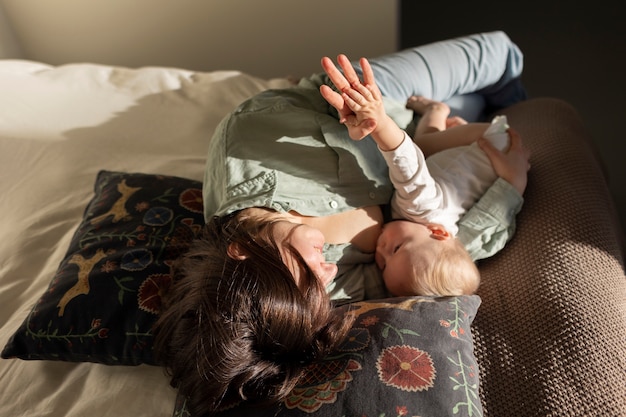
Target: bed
(100, 180)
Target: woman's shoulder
(283, 100)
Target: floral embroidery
(178, 241)
(464, 382)
(69, 337)
(397, 378)
(310, 398)
(121, 283)
(142, 206)
(191, 199)
(105, 294)
(136, 260)
(151, 291)
(158, 216)
(406, 368)
(399, 332)
(357, 340)
(109, 266)
(402, 410)
(370, 321)
(456, 323)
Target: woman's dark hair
(239, 328)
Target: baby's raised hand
(360, 104)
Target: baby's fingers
(357, 96)
(359, 129)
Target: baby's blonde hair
(452, 272)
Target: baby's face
(403, 245)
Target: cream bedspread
(58, 127)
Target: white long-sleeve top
(443, 187)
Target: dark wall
(576, 53)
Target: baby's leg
(439, 140)
(433, 114)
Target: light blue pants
(472, 74)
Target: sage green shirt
(285, 150)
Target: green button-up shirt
(285, 150)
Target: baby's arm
(360, 104)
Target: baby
(418, 251)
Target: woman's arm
(512, 165)
(490, 223)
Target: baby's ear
(236, 252)
(438, 231)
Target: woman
(294, 207)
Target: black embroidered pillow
(403, 357)
(105, 296)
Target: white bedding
(59, 126)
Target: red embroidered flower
(109, 266)
(195, 228)
(406, 368)
(150, 292)
(370, 321)
(191, 199)
(402, 410)
(143, 206)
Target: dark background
(572, 52)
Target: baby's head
(424, 259)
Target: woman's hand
(512, 165)
(360, 104)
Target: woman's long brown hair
(241, 329)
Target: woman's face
(309, 242)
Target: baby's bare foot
(421, 105)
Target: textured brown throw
(550, 334)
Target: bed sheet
(59, 126)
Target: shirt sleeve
(490, 223)
(417, 196)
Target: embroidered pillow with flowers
(102, 302)
(403, 357)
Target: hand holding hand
(360, 104)
(512, 165)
